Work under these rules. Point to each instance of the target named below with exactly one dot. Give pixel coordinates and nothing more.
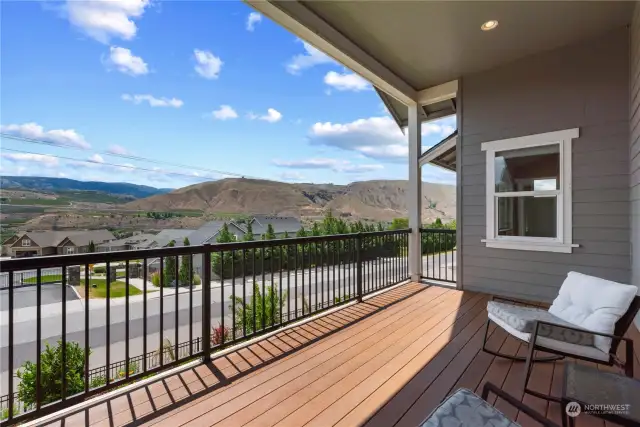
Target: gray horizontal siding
(634, 149)
(584, 86)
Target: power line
(161, 172)
(123, 156)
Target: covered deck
(387, 361)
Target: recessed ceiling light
(489, 25)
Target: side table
(607, 395)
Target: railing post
(206, 304)
(359, 266)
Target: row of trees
(237, 263)
(266, 260)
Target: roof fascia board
(302, 22)
(438, 93)
(442, 148)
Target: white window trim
(26, 242)
(564, 242)
(70, 250)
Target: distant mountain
(37, 183)
(378, 200)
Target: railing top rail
(13, 265)
(438, 230)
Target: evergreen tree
(270, 234)
(229, 257)
(302, 232)
(225, 236)
(248, 236)
(380, 227)
(328, 224)
(185, 265)
(286, 235)
(315, 231)
(399, 224)
(169, 274)
(92, 246)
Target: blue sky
(199, 86)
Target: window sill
(530, 246)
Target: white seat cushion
(563, 346)
(523, 319)
(593, 304)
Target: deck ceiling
(404, 47)
(429, 43)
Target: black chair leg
(510, 356)
(527, 374)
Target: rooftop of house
(77, 237)
(131, 240)
(280, 224)
(164, 237)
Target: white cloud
(41, 159)
(118, 150)
(346, 81)
(153, 101)
(291, 176)
(325, 163)
(96, 158)
(272, 116)
(225, 112)
(62, 137)
(208, 65)
(310, 58)
(375, 137)
(126, 62)
(253, 19)
(103, 20)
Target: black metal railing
(112, 318)
(438, 254)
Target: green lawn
(45, 278)
(99, 289)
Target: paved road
(25, 325)
(27, 296)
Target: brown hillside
(372, 200)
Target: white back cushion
(594, 304)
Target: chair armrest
(490, 387)
(513, 301)
(575, 328)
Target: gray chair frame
(621, 328)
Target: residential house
(138, 241)
(41, 243)
(281, 225)
(6, 244)
(168, 235)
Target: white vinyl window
(26, 242)
(528, 191)
(70, 250)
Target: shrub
(5, 412)
(196, 280)
(133, 369)
(218, 333)
(155, 279)
(245, 312)
(51, 374)
(97, 382)
(100, 269)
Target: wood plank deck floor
(387, 361)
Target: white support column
(414, 194)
